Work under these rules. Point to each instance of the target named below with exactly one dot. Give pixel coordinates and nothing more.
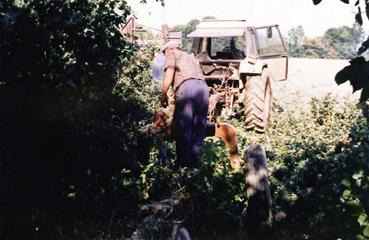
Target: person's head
(171, 46)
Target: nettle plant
(318, 159)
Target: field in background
(312, 78)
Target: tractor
(239, 63)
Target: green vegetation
(311, 166)
(313, 171)
(356, 73)
(74, 163)
(296, 39)
(336, 43)
(68, 121)
(186, 29)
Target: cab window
(269, 41)
(227, 47)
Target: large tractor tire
(258, 102)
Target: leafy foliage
(316, 2)
(343, 42)
(358, 75)
(364, 46)
(45, 30)
(314, 48)
(336, 43)
(295, 42)
(308, 162)
(357, 72)
(66, 126)
(186, 29)
(75, 165)
(161, 1)
(358, 19)
(213, 196)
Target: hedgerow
(75, 164)
(316, 156)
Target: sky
(287, 13)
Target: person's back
(186, 67)
(183, 71)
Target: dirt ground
(312, 78)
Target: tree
(296, 39)
(357, 72)
(63, 132)
(337, 43)
(343, 41)
(358, 75)
(186, 29)
(314, 48)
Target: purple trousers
(192, 100)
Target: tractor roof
(219, 28)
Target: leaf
(357, 61)
(346, 194)
(346, 183)
(357, 2)
(357, 175)
(345, 1)
(364, 47)
(362, 219)
(119, 12)
(364, 94)
(353, 203)
(358, 17)
(71, 195)
(366, 231)
(343, 75)
(358, 74)
(316, 2)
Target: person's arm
(168, 78)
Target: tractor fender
(252, 66)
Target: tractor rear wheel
(258, 102)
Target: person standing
(183, 72)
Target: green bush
(213, 196)
(319, 184)
(66, 130)
(308, 167)
(74, 97)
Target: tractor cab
(238, 62)
(223, 42)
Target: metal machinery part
(239, 61)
